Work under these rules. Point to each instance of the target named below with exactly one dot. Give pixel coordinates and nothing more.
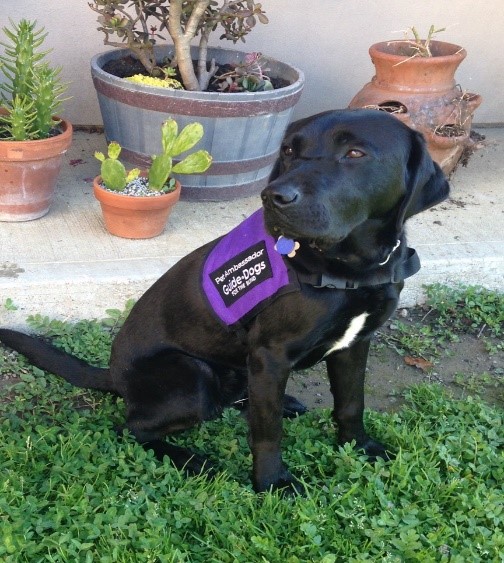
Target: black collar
(401, 270)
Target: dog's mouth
(288, 242)
(280, 226)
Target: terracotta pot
(422, 92)
(243, 131)
(135, 217)
(397, 69)
(28, 175)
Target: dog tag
(286, 246)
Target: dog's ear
(426, 183)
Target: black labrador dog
(314, 273)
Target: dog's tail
(51, 359)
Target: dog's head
(347, 173)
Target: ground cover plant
(72, 490)
(453, 339)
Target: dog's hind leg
(169, 392)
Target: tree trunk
(182, 40)
(204, 73)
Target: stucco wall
(328, 40)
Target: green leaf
(132, 175)
(113, 174)
(194, 163)
(169, 131)
(9, 305)
(114, 150)
(159, 172)
(188, 137)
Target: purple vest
(244, 271)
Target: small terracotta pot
(135, 217)
(28, 174)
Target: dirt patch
(476, 142)
(464, 367)
(129, 66)
(8, 270)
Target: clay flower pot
(28, 174)
(135, 217)
(422, 92)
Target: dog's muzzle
(281, 195)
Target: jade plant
(115, 176)
(32, 89)
(137, 25)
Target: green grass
(71, 490)
(467, 308)
(449, 313)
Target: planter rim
(385, 49)
(128, 201)
(98, 60)
(35, 149)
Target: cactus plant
(116, 177)
(32, 90)
(112, 171)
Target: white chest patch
(355, 326)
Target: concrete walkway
(65, 265)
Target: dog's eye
(355, 153)
(287, 151)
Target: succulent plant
(112, 170)
(136, 25)
(32, 90)
(158, 82)
(174, 144)
(249, 75)
(116, 177)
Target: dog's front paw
(292, 407)
(375, 450)
(182, 458)
(284, 482)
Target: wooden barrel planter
(243, 131)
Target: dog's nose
(281, 195)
